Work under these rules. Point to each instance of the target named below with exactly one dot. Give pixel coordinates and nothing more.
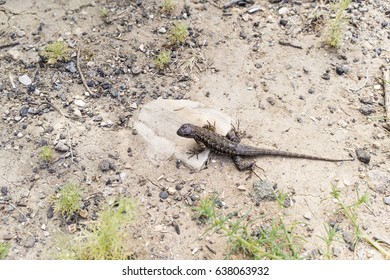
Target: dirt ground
(302, 96)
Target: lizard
(230, 144)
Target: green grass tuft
(68, 200)
(46, 153)
(56, 51)
(350, 212)
(163, 59)
(107, 239)
(277, 241)
(179, 33)
(168, 6)
(4, 250)
(336, 25)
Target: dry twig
(81, 73)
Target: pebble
(61, 147)
(171, 190)
(79, 103)
(377, 87)
(43, 227)
(22, 218)
(71, 67)
(343, 123)
(4, 190)
(46, 233)
(283, 11)
(30, 242)
(264, 190)
(72, 228)
(241, 188)
(162, 30)
(326, 76)
(142, 48)
(136, 70)
(25, 80)
(134, 105)
(363, 155)
(348, 238)
(104, 165)
(307, 216)
(367, 110)
(387, 200)
(336, 251)
(163, 195)
(83, 213)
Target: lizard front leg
(196, 151)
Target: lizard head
(186, 130)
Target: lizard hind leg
(243, 165)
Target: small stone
(158, 228)
(71, 67)
(104, 165)
(83, 213)
(367, 110)
(22, 218)
(4, 190)
(245, 17)
(377, 87)
(283, 11)
(43, 227)
(162, 30)
(264, 190)
(336, 251)
(61, 147)
(134, 105)
(343, 123)
(171, 191)
(79, 103)
(271, 100)
(142, 48)
(72, 228)
(345, 68)
(25, 80)
(363, 155)
(136, 70)
(307, 216)
(30, 242)
(163, 195)
(348, 238)
(46, 233)
(387, 200)
(326, 76)
(243, 34)
(339, 70)
(241, 188)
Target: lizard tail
(252, 151)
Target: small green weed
(46, 153)
(168, 6)
(179, 33)
(163, 59)
(275, 242)
(330, 237)
(107, 239)
(68, 200)
(103, 12)
(4, 249)
(56, 51)
(336, 26)
(350, 212)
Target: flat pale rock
(159, 120)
